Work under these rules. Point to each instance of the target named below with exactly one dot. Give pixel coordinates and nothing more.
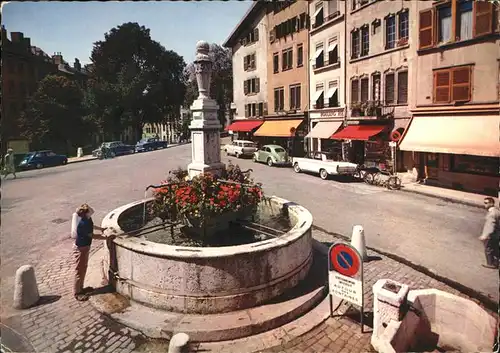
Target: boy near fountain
(81, 250)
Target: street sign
(345, 276)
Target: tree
(53, 115)
(135, 80)
(221, 86)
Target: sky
(72, 27)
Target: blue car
(41, 159)
(150, 144)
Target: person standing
(491, 234)
(9, 166)
(84, 236)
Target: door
(431, 165)
(266, 153)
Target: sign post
(345, 276)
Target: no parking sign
(345, 275)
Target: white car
(240, 148)
(322, 163)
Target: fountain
(224, 288)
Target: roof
(242, 26)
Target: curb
(444, 198)
(486, 301)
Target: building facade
(378, 74)
(327, 70)
(453, 138)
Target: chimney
(16, 37)
(57, 57)
(77, 66)
(27, 42)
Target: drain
(59, 220)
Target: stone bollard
(79, 152)
(26, 289)
(388, 300)
(358, 241)
(178, 342)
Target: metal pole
(331, 304)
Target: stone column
(205, 126)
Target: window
(389, 88)
(319, 57)
(251, 86)
(253, 109)
(276, 63)
(333, 53)
(302, 21)
(390, 32)
(453, 85)
(319, 102)
(279, 99)
(251, 37)
(300, 55)
(249, 62)
(332, 8)
(332, 94)
(365, 84)
(464, 20)
(376, 87)
(365, 40)
(358, 3)
(295, 97)
(318, 15)
(474, 164)
(354, 91)
(471, 19)
(402, 87)
(403, 26)
(287, 59)
(355, 44)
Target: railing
(372, 108)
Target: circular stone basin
(207, 280)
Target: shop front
(288, 133)
(323, 124)
(458, 152)
(366, 144)
(243, 129)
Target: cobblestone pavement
(62, 324)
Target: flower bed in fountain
(207, 204)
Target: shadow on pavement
(13, 340)
(47, 299)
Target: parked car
(272, 155)
(240, 148)
(41, 159)
(323, 163)
(117, 147)
(150, 144)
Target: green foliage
(135, 80)
(53, 117)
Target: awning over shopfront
(472, 135)
(278, 128)
(358, 132)
(324, 129)
(244, 125)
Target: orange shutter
(442, 86)
(426, 29)
(483, 18)
(461, 84)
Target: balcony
(370, 110)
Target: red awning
(358, 132)
(244, 125)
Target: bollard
(358, 241)
(178, 342)
(79, 152)
(25, 288)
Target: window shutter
(256, 34)
(354, 91)
(257, 85)
(284, 65)
(461, 84)
(483, 18)
(245, 87)
(403, 87)
(442, 87)
(245, 41)
(264, 108)
(272, 35)
(426, 29)
(389, 88)
(290, 58)
(245, 63)
(276, 100)
(247, 110)
(259, 109)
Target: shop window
(276, 63)
(475, 164)
(279, 99)
(300, 55)
(389, 89)
(453, 84)
(295, 97)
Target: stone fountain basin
(208, 280)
